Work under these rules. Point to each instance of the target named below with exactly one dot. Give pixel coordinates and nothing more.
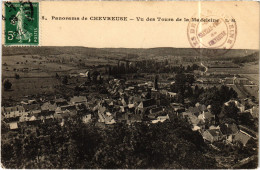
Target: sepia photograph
(144, 92)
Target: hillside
(118, 52)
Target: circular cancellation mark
(211, 34)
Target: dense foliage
(7, 85)
(213, 96)
(249, 58)
(162, 145)
(216, 97)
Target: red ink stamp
(211, 34)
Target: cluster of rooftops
(203, 121)
(134, 103)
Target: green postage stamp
(21, 23)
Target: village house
(86, 74)
(196, 128)
(193, 111)
(48, 106)
(24, 118)
(154, 112)
(228, 131)
(109, 102)
(108, 118)
(171, 94)
(130, 90)
(13, 125)
(73, 74)
(48, 119)
(78, 100)
(15, 111)
(254, 111)
(11, 121)
(201, 107)
(155, 94)
(207, 117)
(123, 108)
(161, 119)
(228, 128)
(178, 107)
(195, 121)
(122, 117)
(214, 127)
(212, 135)
(196, 111)
(30, 107)
(131, 107)
(57, 116)
(34, 113)
(61, 102)
(28, 102)
(134, 118)
(134, 100)
(240, 106)
(65, 111)
(104, 116)
(33, 121)
(86, 118)
(145, 106)
(241, 137)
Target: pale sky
(136, 34)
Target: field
(37, 67)
(30, 86)
(252, 68)
(252, 77)
(32, 66)
(37, 75)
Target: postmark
(21, 23)
(212, 34)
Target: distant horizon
(6, 46)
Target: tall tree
(230, 111)
(7, 85)
(65, 80)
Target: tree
(109, 70)
(188, 92)
(227, 93)
(195, 67)
(7, 85)
(156, 82)
(17, 76)
(230, 111)
(180, 81)
(217, 97)
(95, 75)
(190, 78)
(188, 69)
(77, 89)
(57, 76)
(247, 105)
(253, 98)
(65, 80)
(166, 62)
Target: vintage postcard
(129, 85)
